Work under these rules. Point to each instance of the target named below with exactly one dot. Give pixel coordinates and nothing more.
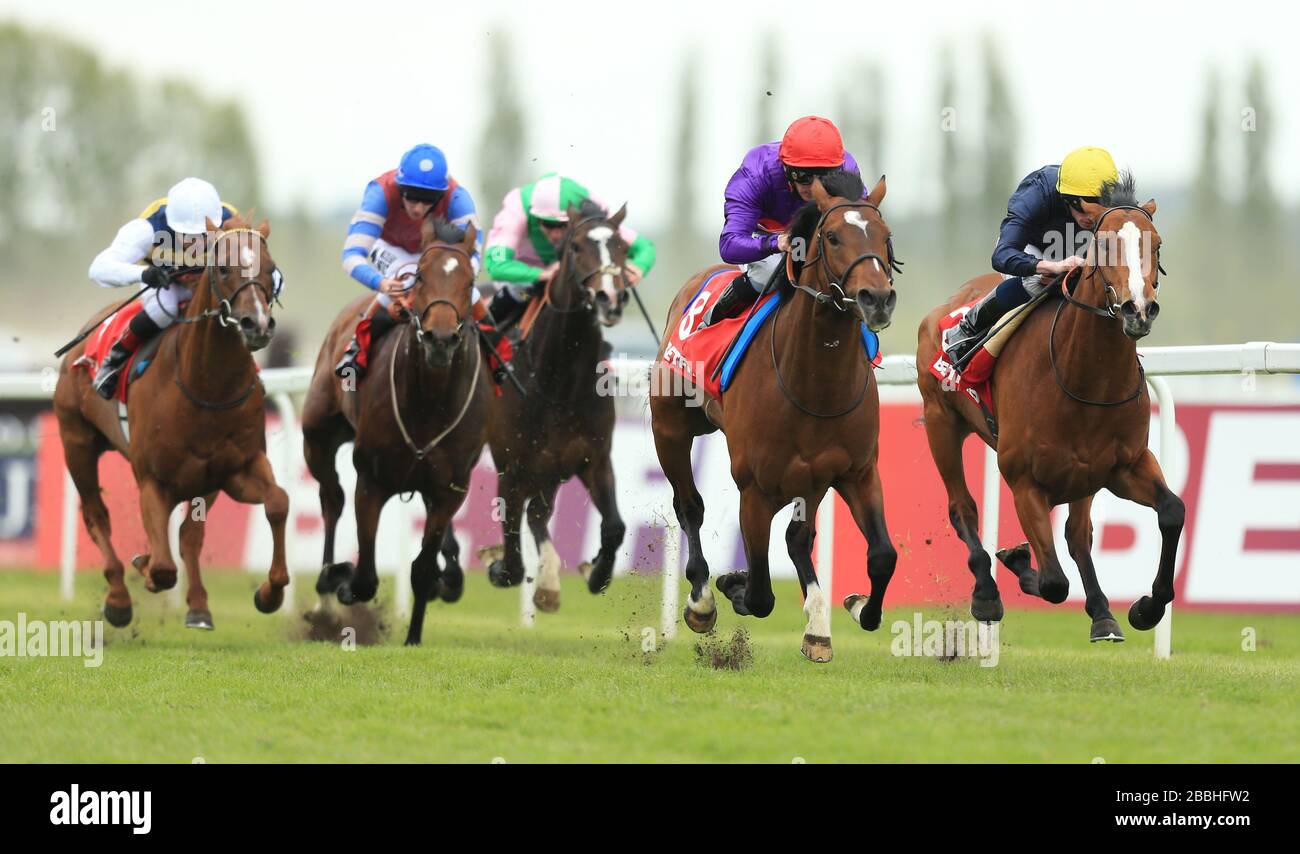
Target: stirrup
(349, 362)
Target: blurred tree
(951, 187)
(861, 116)
(1259, 205)
(1208, 193)
(502, 165)
(769, 68)
(998, 158)
(684, 198)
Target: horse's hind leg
(799, 538)
(322, 437)
(540, 507)
(156, 505)
(946, 436)
(451, 584)
(1145, 484)
(866, 501)
(191, 536)
(82, 447)
(1078, 538)
(599, 480)
(256, 485)
(750, 592)
(673, 446)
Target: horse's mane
(588, 209)
(843, 185)
(1121, 191)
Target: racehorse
(195, 425)
(799, 422)
(1073, 415)
(417, 422)
(562, 424)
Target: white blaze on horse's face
(1131, 237)
(856, 218)
(450, 265)
(600, 235)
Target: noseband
(586, 301)
(840, 300)
(417, 319)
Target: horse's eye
(575, 248)
(832, 239)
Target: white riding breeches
(760, 272)
(163, 304)
(1033, 284)
(394, 262)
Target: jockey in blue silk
(1049, 218)
(383, 242)
(164, 250)
(773, 182)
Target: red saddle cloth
(103, 339)
(694, 353)
(976, 378)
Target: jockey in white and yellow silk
(521, 254)
(164, 249)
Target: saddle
(109, 332)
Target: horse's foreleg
(81, 453)
(508, 569)
(364, 582)
(451, 584)
(191, 536)
(425, 573)
(540, 507)
(946, 436)
(598, 477)
(155, 511)
(750, 592)
(1145, 484)
(1078, 538)
(256, 485)
(1035, 520)
(866, 501)
(320, 448)
(674, 450)
(799, 538)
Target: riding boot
(381, 321)
(506, 311)
(738, 295)
(960, 340)
(141, 328)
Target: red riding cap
(812, 142)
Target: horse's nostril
(270, 325)
(246, 324)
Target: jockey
(169, 236)
(382, 248)
(773, 182)
(1049, 216)
(521, 248)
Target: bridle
(839, 299)
(416, 319)
(1110, 311)
(586, 300)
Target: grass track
(579, 687)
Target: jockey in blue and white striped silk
(383, 241)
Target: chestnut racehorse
(798, 422)
(1073, 415)
(196, 426)
(562, 425)
(418, 422)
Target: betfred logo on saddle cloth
(975, 380)
(701, 356)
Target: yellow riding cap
(1084, 171)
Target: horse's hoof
(117, 617)
(1106, 630)
(199, 618)
(498, 576)
(1014, 558)
(345, 595)
(700, 623)
(1138, 620)
(816, 649)
(597, 578)
(489, 555)
(987, 610)
(1052, 590)
(270, 602)
(451, 589)
(732, 585)
(160, 579)
(332, 575)
(547, 601)
(140, 562)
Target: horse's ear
(471, 236)
(820, 195)
(264, 229)
(617, 219)
(211, 226)
(1150, 207)
(573, 212)
(428, 234)
(877, 194)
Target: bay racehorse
(802, 415)
(1073, 414)
(563, 424)
(195, 426)
(418, 422)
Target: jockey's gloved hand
(155, 277)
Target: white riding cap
(190, 204)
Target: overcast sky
(336, 97)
